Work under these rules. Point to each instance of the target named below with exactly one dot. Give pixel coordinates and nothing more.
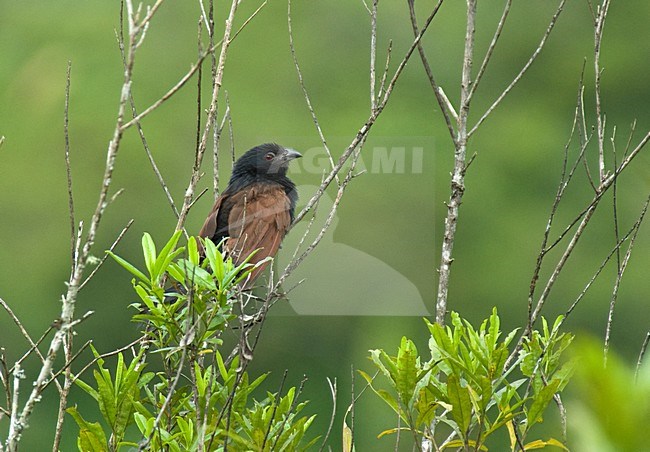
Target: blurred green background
(389, 224)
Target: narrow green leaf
(215, 258)
(149, 252)
(130, 268)
(193, 251)
(541, 401)
(167, 254)
(461, 404)
(540, 444)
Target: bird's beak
(290, 154)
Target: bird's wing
(209, 228)
(259, 219)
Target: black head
(267, 160)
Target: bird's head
(267, 159)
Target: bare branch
(445, 106)
(329, 428)
(111, 248)
(365, 128)
(69, 300)
(533, 57)
(619, 277)
(306, 94)
(600, 269)
(639, 361)
(458, 175)
(382, 83)
(212, 111)
(66, 134)
(23, 331)
(600, 121)
(373, 54)
(490, 50)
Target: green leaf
(540, 444)
(91, 435)
(460, 403)
(167, 254)
(88, 389)
(134, 271)
(149, 252)
(407, 370)
(215, 258)
(376, 357)
(494, 329)
(541, 401)
(193, 251)
(460, 444)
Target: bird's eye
(269, 156)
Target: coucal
(257, 207)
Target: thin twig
(161, 410)
(69, 300)
(600, 121)
(639, 361)
(212, 111)
(599, 270)
(492, 46)
(306, 94)
(66, 134)
(291, 409)
(562, 186)
(365, 128)
(332, 387)
(275, 409)
(106, 355)
(65, 391)
(103, 259)
(373, 54)
(530, 61)
(619, 277)
(445, 106)
(382, 83)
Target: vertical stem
(373, 55)
(210, 120)
(65, 391)
(458, 175)
(598, 35)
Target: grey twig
(365, 128)
(304, 89)
(521, 73)
(373, 54)
(103, 259)
(492, 46)
(332, 387)
(136, 32)
(446, 107)
(619, 277)
(66, 134)
(639, 361)
(458, 174)
(212, 111)
(600, 120)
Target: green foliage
(609, 411)
(198, 400)
(465, 393)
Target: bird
(256, 209)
